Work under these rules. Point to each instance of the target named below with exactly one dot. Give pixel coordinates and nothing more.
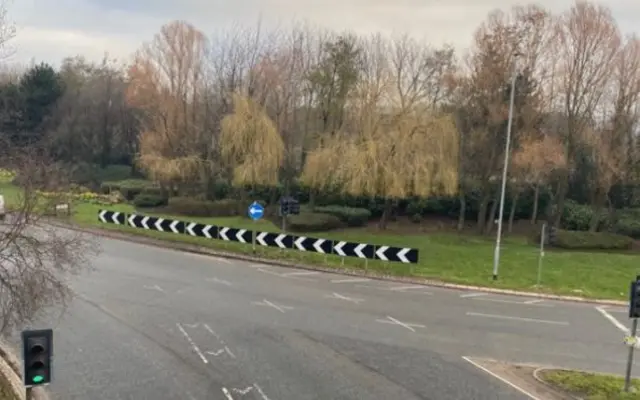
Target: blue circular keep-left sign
(256, 211)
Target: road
(152, 323)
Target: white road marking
(193, 345)
(225, 349)
(259, 389)
(216, 280)
(402, 288)
(613, 320)
(541, 321)
(501, 379)
(341, 297)
(243, 391)
(351, 280)
(468, 295)
(280, 308)
(227, 394)
(268, 271)
(223, 260)
(256, 265)
(391, 320)
(300, 273)
(154, 287)
(525, 303)
(535, 301)
(211, 331)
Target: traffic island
(587, 385)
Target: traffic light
(289, 205)
(37, 351)
(294, 207)
(634, 299)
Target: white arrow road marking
(280, 308)
(338, 248)
(358, 250)
(190, 228)
(223, 233)
(193, 345)
(391, 320)
(260, 238)
(341, 297)
(299, 243)
(279, 240)
(154, 287)
(380, 253)
(216, 280)
(226, 393)
(240, 235)
(402, 255)
(132, 220)
(318, 245)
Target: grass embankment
(464, 259)
(590, 386)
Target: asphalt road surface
(152, 323)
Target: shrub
(351, 216)
(313, 222)
(149, 200)
(577, 217)
(202, 208)
(578, 240)
(129, 188)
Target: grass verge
(462, 259)
(590, 386)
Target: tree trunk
(463, 211)
(482, 213)
(492, 215)
(597, 208)
(512, 213)
(536, 201)
(386, 214)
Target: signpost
(256, 212)
(634, 313)
(543, 238)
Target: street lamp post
(496, 254)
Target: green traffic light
(38, 378)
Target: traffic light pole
(30, 395)
(627, 377)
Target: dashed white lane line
(501, 379)
(300, 273)
(193, 344)
(470, 295)
(536, 303)
(540, 321)
(227, 394)
(403, 288)
(391, 320)
(350, 280)
(613, 320)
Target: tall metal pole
(496, 254)
(627, 375)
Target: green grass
(463, 259)
(591, 386)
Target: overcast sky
(49, 30)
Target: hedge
(579, 240)
(191, 207)
(313, 222)
(130, 188)
(351, 216)
(149, 200)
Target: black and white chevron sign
(112, 217)
(313, 244)
(351, 249)
(400, 254)
(235, 235)
(274, 240)
(201, 230)
(155, 223)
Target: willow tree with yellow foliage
(166, 85)
(250, 144)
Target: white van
(3, 213)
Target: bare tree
(36, 259)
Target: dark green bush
(577, 217)
(580, 240)
(313, 222)
(202, 208)
(627, 225)
(129, 188)
(149, 200)
(351, 216)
